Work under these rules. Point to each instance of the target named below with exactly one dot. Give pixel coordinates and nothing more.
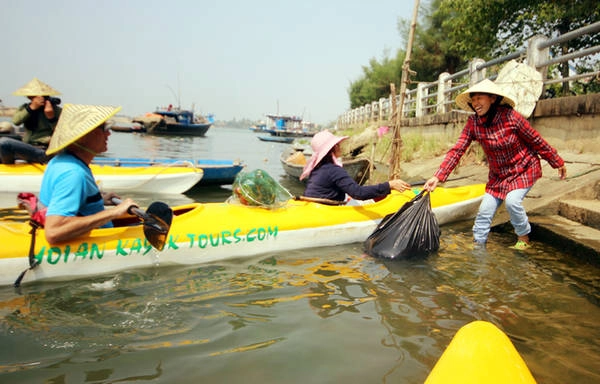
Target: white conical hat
(77, 121)
(485, 86)
(523, 83)
(36, 88)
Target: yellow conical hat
(36, 88)
(77, 121)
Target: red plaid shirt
(513, 149)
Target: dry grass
(414, 146)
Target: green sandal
(521, 246)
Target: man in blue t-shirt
(74, 202)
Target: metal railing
(436, 97)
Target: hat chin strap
(86, 149)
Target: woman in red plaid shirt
(513, 149)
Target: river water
(324, 315)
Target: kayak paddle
(156, 220)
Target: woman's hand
(562, 172)
(431, 184)
(399, 185)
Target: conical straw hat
(36, 88)
(485, 86)
(77, 121)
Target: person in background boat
(69, 191)
(39, 117)
(328, 180)
(513, 150)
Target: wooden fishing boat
(293, 161)
(216, 172)
(27, 177)
(208, 232)
(277, 139)
(480, 353)
(127, 126)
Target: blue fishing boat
(290, 126)
(216, 172)
(175, 122)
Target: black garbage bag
(413, 231)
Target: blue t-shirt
(330, 181)
(69, 188)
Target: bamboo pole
(397, 139)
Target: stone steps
(586, 212)
(575, 227)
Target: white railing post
(443, 86)
(373, 115)
(421, 94)
(535, 55)
(476, 75)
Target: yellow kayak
(480, 353)
(26, 177)
(202, 233)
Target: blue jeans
(12, 149)
(514, 206)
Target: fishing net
(258, 188)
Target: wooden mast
(397, 114)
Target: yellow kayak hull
(209, 232)
(155, 179)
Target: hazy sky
(234, 58)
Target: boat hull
(277, 139)
(166, 179)
(202, 233)
(180, 129)
(216, 172)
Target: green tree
(486, 29)
(451, 33)
(375, 81)
(432, 51)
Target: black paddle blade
(157, 223)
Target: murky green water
(324, 315)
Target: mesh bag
(258, 188)
(411, 232)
